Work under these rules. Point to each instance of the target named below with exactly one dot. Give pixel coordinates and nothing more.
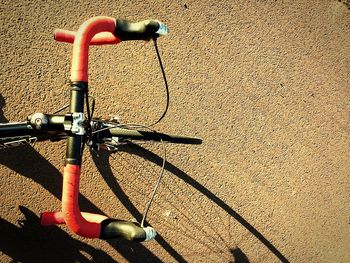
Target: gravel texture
(264, 83)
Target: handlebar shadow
(45, 174)
(30, 242)
(154, 158)
(2, 105)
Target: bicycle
(80, 128)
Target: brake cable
(133, 126)
(165, 83)
(161, 174)
(166, 91)
(160, 177)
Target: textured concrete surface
(264, 83)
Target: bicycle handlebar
(102, 38)
(102, 30)
(98, 30)
(124, 30)
(87, 224)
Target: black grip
(113, 228)
(144, 30)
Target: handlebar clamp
(74, 122)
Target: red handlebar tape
(70, 206)
(83, 224)
(103, 38)
(55, 218)
(82, 40)
(97, 30)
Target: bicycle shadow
(24, 242)
(153, 158)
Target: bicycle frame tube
(16, 129)
(53, 128)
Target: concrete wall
(264, 83)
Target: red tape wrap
(98, 30)
(70, 206)
(103, 38)
(82, 41)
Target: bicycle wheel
(130, 135)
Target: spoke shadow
(150, 156)
(101, 161)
